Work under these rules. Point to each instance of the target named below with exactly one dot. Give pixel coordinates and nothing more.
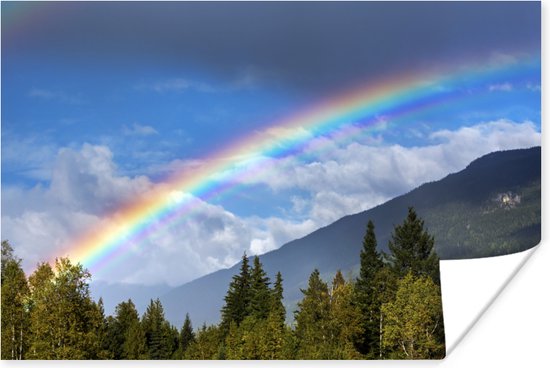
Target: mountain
(490, 208)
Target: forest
(391, 310)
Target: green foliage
(64, 319)
(410, 321)
(392, 310)
(313, 320)
(161, 339)
(15, 319)
(260, 294)
(207, 344)
(412, 249)
(237, 300)
(186, 337)
(118, 328)
(366, 294)
(135, 347)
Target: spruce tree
(157, 332)
(412, 249)
(313, 320)
(135, 346)
(187, 336)
(260, 294)
(277, 306)
(126, 315)
(237, 300)
(366, 294)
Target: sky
(103, 103)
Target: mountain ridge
(463, 212)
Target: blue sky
(101, 101)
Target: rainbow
(360, 111)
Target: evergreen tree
(15, 318)
(412, 249)
(126, 315)
(277, 306)
(366, 296)
(237, 300)
(135, 346)
(157, 332)
(313, 320)
(411, 320)
(260, 294)
(187, 336)
(98, 317)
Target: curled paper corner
(470, 286)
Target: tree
(345, 319)
(366, 296)
(237, 300)
(135, 346)
(260, 295)
(412, 319)
(64, 319)
(313, 320)
(126, 316)
(277, 306)
(187, 336)
(412, 249)
(207, 344)
(158, 332)
(15, 293)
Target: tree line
(392, 310)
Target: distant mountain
(490, 208)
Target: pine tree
(313, 320)
(237, 300)
(135, 346)
(412, 249)
(366, 296)
(277, 306)
(157, 332)
(15, 293)
(126, 315)
(187, 336)
(260, 295)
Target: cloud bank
(86, 186)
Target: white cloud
(59, 96)
(138, 129)
(86, 185)
(503, 87)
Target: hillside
(490, 208)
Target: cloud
(59, 96)
(178, 85)
(503, 87)
(86, 187)
(138, 129)
(30, 156)
(355, 177)
(248, 79)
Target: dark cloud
(307, 44)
